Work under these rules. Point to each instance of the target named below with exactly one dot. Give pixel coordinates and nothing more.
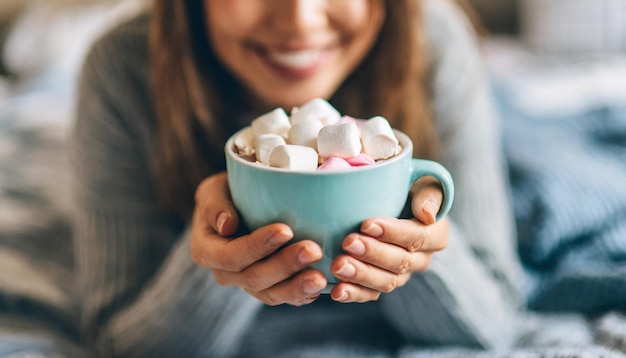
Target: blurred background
(42, 46)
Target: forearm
(142, 294)
(180, 312)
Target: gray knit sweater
(143, 296)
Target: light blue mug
(325, 206)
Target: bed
(567, 164)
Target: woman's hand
(259, 262)
(387, 251)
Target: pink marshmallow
(347, 119)
(360, 160)
(334, 163)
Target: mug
(325, 206)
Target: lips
(295, 63)
(295, 59)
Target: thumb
(214, 205)
(426, 200)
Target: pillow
(574, 26)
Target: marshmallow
(360, 160)
(265, 143)
(339, 140)
(334, 163)
(315, 109)
(244, 142)
(379, 141)
(305, 133)
(348, 119)
(274, 122)
(294, 157)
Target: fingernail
(342, 297)
(221, 220)
(430, 209)
(309, 255)
(310, 287)
(356, 247)
(279, 238)
(373, 230)
(347, 270)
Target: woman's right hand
(258, 262)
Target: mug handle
(421, 168)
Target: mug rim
(407, 146)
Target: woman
(159, 97)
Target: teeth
(295, 59)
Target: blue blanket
(568, 177)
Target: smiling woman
(164, 266)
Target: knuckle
(200, 258)
(231, 264)
(251, 281)
(391, 285)
(420, 239)
(404, 266)
(270, 299)
(302, 301)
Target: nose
(299, 16)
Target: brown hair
(391, 81)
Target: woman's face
(290, 51)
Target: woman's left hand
(387, 251)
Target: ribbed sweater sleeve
(142, 294)
(470, 293)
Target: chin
(298, 99)
(288, 93)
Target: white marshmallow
(265, 143)
(315, 109)
(339, 140)
(244, 142)
(294, 157)
(379, 141)
(274, 122)
(305, 133)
